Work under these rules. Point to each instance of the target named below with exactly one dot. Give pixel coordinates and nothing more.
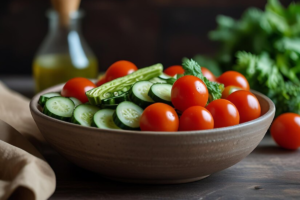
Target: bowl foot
(157, 181)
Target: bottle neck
(56, 26)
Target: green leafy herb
(215, 89)
(263, 75)
(272, 40)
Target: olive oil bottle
(64, 54)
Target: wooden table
(269, 172)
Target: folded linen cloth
(23, 172)
(14, 110)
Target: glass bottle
(64, 54)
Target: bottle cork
(64, 8)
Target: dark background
(142, 31)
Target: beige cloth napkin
(23, 172)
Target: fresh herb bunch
(263, 75)
(272, 40)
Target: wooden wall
(142, 31)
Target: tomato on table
(208, 74)
(77, 87)
(159, 117)
(196, 118)
(285, 130)
(229, 90)
(173, 70)
(247, 105)
(233, 78)
(224, 113)
(189, 91)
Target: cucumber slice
(83, 114)
(103, 119)
(161, 93)
(76, 101)
(127, 116)
(116, 100)
(59, 108)
(122, 84)
(164, 76)
(139, 94)
(157, 80)
(43, 98)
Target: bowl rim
(34, 109)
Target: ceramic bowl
(153, 157)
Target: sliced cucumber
(127, 116)
(43, 98)
(161, 92)
(76, 101)
(116, 99)
(59, 108)
(83, 114)
(103, 119)
(139, 94)
(122, 84)
(164, 76)
(157, 80)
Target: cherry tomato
(229, 90)
(208, 74)
(77, 87)
(224, 113)
(101, 81)
(119, 69)
(159, 117)
(285, 130)
(173, 70)
(196, 118)
(189, 91)
(235, 79)
(247, 105)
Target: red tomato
(189, 91)
(119, 69)
(208, 74)
(229, 90)
(196, 118)
(173, 70)
(101, 81)
(159, 117)
(232, 78)
(224, 113)
(77, 87)
(247, 105)
(285, 130)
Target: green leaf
(288, 44)
(260, 71)
(286, 98)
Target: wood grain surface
(269, 172)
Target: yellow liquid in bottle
(53, 69)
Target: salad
(180, 98)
